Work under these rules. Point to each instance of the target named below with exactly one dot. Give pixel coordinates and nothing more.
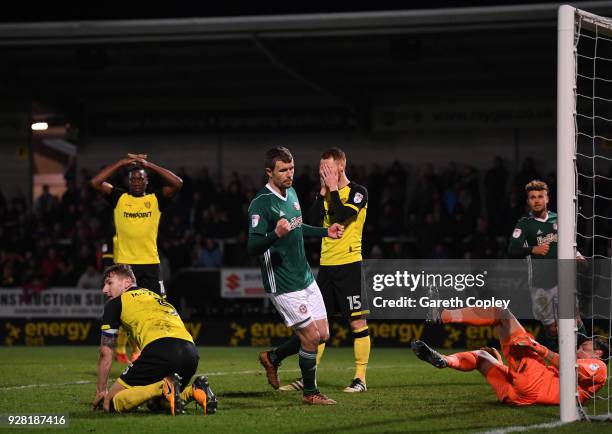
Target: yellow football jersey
(145, 315)
(136, 225)
(348, 248)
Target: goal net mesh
(593, 180)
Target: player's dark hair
(599, 343)
(604, 346)
(536, 185)
(122, 270)
(277, 153)
(336, 153)
(135, 167)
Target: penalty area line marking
(212, 374)
(523, 428)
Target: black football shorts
(161, 358)
(340, 286)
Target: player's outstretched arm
(334, 231)
(173, 182)
(99, 181)
(314, 231)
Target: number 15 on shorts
(354, 302)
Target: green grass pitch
(405, 395)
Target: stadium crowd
(454, 212)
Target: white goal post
(566, 205)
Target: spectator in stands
(514, 208)
(495, 181)
(185, 195)
(73, 226)
(46, 203)
(66, 275)
(208, 254)
(11, 265)
(90, 279)
(427, 235)
(205, 185)
(482, 244)
(50, 267)
(397, 251)
(527, 174)
(376, 252)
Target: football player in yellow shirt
(344, 202)
(136, 219)
(169, 357)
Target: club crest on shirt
(517, 233)
(254, 220)
(358, 198)
(147, 204)
(296, 205)
(303, 308)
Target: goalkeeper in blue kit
(276, 235)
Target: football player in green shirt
(535, 238)
(276, 235)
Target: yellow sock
(361, 346)
(320, 350)
(122, 339)
(187, 394)
(134, 396)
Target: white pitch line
(213, 374)
(28, 386)
(526, 427)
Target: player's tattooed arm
(108, 341)
(105, 361)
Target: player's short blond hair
(536, 185)
(123, 270)
(336, 153)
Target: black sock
(288, 348)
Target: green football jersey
(284, 267)
(530, 232)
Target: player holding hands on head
(276, 235)
(136, 218)
(137, 215)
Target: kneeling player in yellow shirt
(169, 357)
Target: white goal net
(585, 198)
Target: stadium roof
(89, 68)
